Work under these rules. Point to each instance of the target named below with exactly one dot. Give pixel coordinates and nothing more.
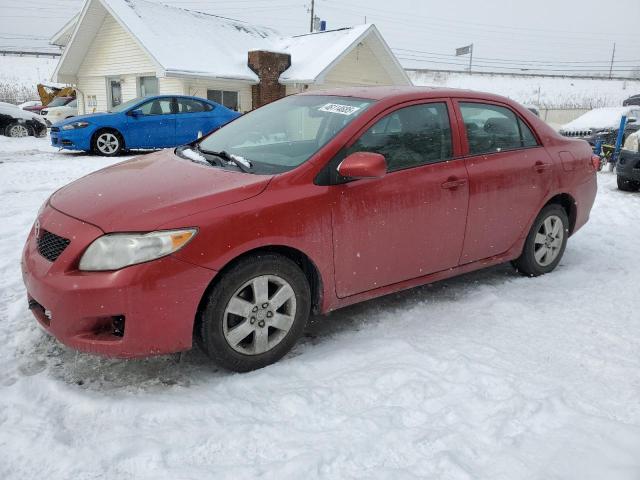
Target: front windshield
(59, 102)
(123, 106)
(285, 133)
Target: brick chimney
(268, 66)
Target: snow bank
(545, 92)
(599, 118)
(487, 376)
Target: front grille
(50, 245)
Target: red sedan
(309, 204)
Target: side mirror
(632, 120)
(363, 165)
(136, 113)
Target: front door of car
(153, 126)
(410, 222)
(510, 175)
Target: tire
(627, 185)
(248, 340)
(107, 143)
(17, 130)
(541, 255)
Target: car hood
(98, 117)
(148, 191)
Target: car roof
(407, 93)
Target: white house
(119, 49)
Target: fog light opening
(117, 326)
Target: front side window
(286, 133)
(148, 86)
(159, 106)
(491, 128)
(410, 136)
(227, 98)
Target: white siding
(199, 87)
(92, 86)
(359, 67)
(113, 53)
(170, 86)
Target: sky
(549, 36)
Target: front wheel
(545, 243)
(17, 130)
(107, 143)
(255, 314)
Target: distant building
(116, 50)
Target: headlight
(74, 125)
(118, 250)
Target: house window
(227, 98)
(148, 86)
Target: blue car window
(159, 106)
(188, 105)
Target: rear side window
(491, 129)
(410, 136)
(188, 105)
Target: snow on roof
(189, 43)
(313, 53)
(608, 117)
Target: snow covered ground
(487, 376)
(541, 91)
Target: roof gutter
(205, 75)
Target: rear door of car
(510, 175)
(410, 222)
(193, 119)
(155, 128)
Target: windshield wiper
(240, 162)
(198, 158)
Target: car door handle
(542, 167)
(454, 183)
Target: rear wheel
(545, 243)
(17, 130)
(107, 143)
(255, 314)
(628, 185)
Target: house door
(114, 91)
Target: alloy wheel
(548, 240)
(107, 143)
(18, 131)
(259, 314)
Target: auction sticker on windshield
(337, 108)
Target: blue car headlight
(75, 125)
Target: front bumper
(155, 302)
(77, 139)
(628, 165)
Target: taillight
(596, 162)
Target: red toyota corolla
(309, 204)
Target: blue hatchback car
(147, 122)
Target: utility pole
(470, 58)
(312, 15)
(613, 56)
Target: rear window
(491, 129)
